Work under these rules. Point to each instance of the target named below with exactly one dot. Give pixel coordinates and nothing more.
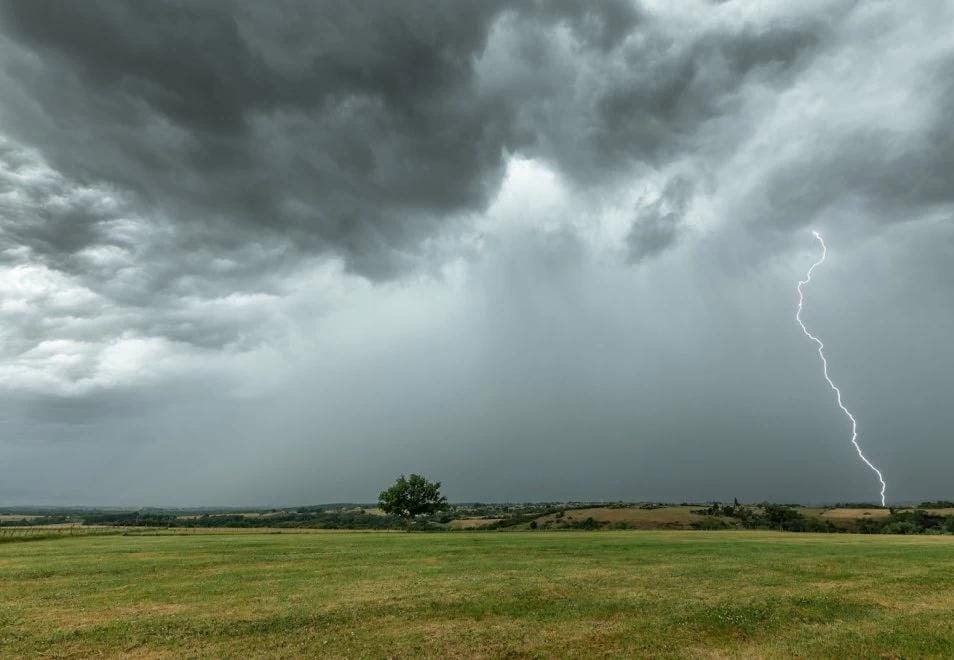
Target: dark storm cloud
(339, 124)
(596, 108)
(672, 86)
(352, 127)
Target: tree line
(786, 517)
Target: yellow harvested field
(813, 512)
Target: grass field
(659, 593)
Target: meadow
(522, 594)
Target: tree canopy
(412, 496)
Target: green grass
(479, 594)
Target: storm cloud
(277, 251)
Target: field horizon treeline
(927, 517)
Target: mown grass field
(637, 593)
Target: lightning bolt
(821, 354)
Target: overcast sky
(280, 252)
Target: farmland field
(660, 593)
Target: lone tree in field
(412, 496)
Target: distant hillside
(515, 516)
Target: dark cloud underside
(355, 128)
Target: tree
(412, 496)
(783, 516)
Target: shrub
(902, 527)
(589, 523)
(709, 523)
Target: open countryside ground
(663, 593)
(676, 517)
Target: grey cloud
(857, 140)
(95, 268)
(893, 178)
(659, 223)
(42, 210)
(603, 24)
